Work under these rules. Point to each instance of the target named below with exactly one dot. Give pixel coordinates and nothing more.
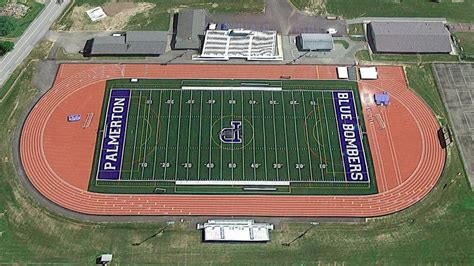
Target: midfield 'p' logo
(231, 134)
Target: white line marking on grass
(210, 137)
(167, 135)
(157, 133)
(264, 137)
(307, 137)
(199, 143)
(243, 144)
(317, 133)
(253, 139)
(146, 135)
(232, 144)
(179, 129)
(274, 137)
(329, 138)
(222, 123)
(136, 133)
(189, 135)
(286, 136)
(296, 135)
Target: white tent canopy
(368, 72)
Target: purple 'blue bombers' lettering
(349, 136)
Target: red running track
(57, 156)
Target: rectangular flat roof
(131, 43)
(191, 24)
(236, 231)
(317, 41)
(409, 37)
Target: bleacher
(251, 45)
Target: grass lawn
(343, 43)
(355, 29)
(439, 229)
(460, 12)
(466, 41)
(24, 22)
(364, 55)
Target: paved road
(30, 37)
(280, 16)
(396, 19)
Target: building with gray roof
(149, 43)
(408, 37)
(189, 28)
(315, 42)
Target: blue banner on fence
(355, 165)
(110, 161)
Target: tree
(5, 47)
(7, 25)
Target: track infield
(238, 137)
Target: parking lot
(456, 82)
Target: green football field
(179, 138)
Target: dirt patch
(315, 7)
(112, 9)
(81, 21)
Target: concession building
(408, 37)
(189, 26)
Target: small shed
(315, 42)
(382, 98)
(342, 73)
(368, 73)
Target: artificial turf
(288, 135)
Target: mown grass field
(459, 12)
(364, 55)
(466, 41)
(439, 229)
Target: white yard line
(210, 136)
(221, 147)
(199, 143)
(146, 136)
(307, 137)
(274, 137)
(296, 134)
(329, 138)
(286, 136)
(317, 133)
(243, 143)
(167, 135)
(253, 139)
(157, 133)
(136, 133)
(264, 137)
(179, 129)
(189, 133)
(232, 144)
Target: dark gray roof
(316, 41)
(191, 24)
(132, 43)
(410, 37)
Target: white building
(235, 231)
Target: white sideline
(233, 88)
(239, 183)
